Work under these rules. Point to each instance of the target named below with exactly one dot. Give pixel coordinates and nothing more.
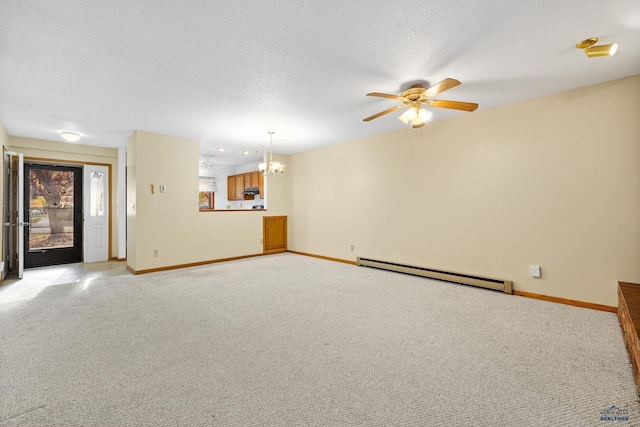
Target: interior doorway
(52, 215)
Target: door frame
(7, 217)
(19, 196)
(59, 162)
(13, 210)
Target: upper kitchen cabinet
(231, 187)
(261, 184)
(251, 180)
(240, 187)
(235, 187)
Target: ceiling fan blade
(382, 113)
(384, 95)
(437, 88)
(419, 125)
(454, 105)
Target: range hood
(251, 191)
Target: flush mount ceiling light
(70, 136)
(273, 168)
(596, 51)
(246, 152)
(222, 149)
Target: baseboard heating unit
(505, 286)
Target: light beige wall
(553, 181)
(62, 152)
(171, 222)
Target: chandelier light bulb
(411, 113)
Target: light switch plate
(535, 271)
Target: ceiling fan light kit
(416, 118)
(596, 51)
(424, 114)
(207, 163)
(417, 95)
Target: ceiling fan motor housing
(413, 94)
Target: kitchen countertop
(235, 210)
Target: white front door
(96, 213)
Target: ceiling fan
(417, 95)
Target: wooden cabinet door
(261, 184)
(231, 187)
(254, 179)
(239, 187)
(274, 233)
(247, 180)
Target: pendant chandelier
(271, 168)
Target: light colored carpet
(287, 340)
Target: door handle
(24, 224)
(7, 224)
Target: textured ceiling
(226, 72)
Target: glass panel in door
(54, 213)
(51, 209)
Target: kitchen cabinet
(239, 187)
(237, 184)
(251, 180)
(235, 187)
(231, 187)
(255, 180)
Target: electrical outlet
(353, 248)
(535, 271)
(156, 252)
